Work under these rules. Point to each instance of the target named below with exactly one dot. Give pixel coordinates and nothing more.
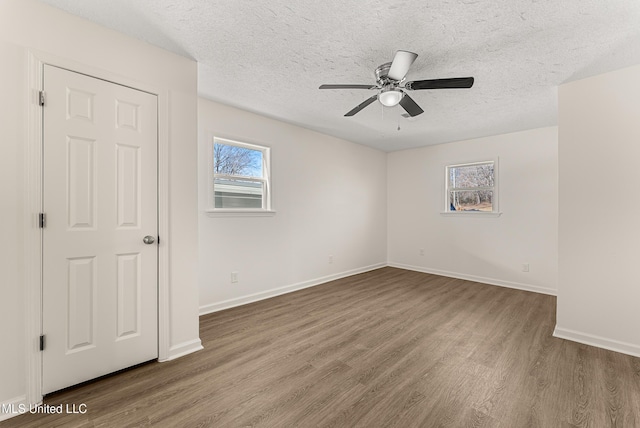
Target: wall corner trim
(491, 281)
(243, 300)
(13, 407)
(182, 349)
(597, 341)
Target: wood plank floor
(387, 348)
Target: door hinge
(42, 220)
(42, 342)
(41, 98)
(158, 239)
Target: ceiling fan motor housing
(382, 73)
(389, 95)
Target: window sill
(470, 214)
(238, 213)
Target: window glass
(471, 187)
(237, 194)
(240, 176)
(235, 160)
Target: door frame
(34, 196)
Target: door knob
(148, 239)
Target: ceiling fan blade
(410, 106)
(362, 105)
(400, 65)
(456, 82)
(347, 86)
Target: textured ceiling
(270, 57)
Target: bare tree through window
(235, 160)
(470, 187)
(240, 178)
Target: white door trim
(33, 206)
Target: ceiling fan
(391, 75)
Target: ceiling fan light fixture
(390, 97)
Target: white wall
(27, 26)
(485, 249)
(330, 199)
(599, 154)
(12, 87)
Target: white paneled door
(100, 254)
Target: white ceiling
(270, 57)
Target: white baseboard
(597, 341)
(238, 301)
(182, 349)
(490, 281)
(14, 407)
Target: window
(240, 176)
(471, 188)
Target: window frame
(495, 211)
(265, 180)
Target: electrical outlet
(422, 251)
(525, 267)
(234, 277)
(330, 259)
